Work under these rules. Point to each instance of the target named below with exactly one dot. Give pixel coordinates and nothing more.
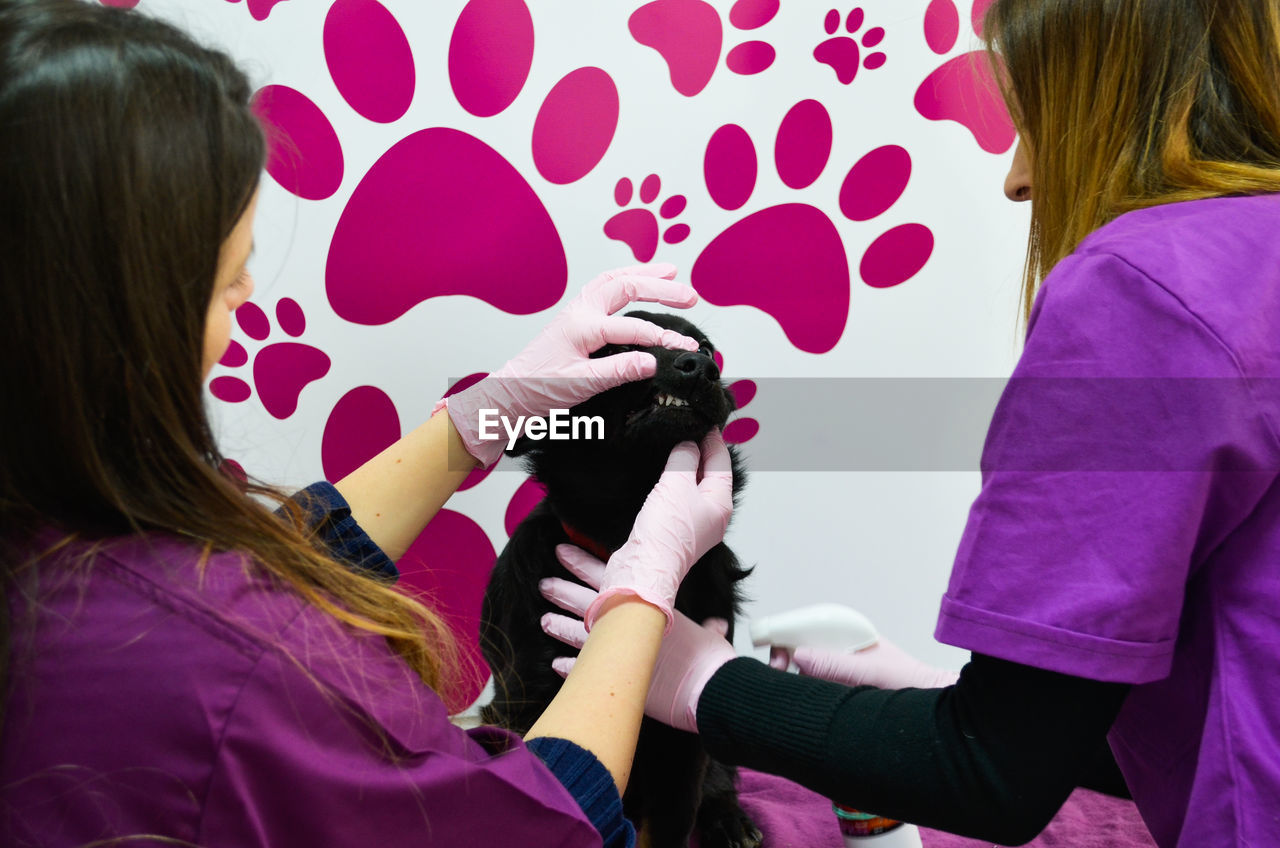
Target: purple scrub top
(1128, 526)
(223, 711)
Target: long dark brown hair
(127, 154)
(1133, 103)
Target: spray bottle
(836, 628)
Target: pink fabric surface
(1087, 820)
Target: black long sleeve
(993, 757)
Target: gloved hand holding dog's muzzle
(689, 656)
(684, 516)
(556, 371)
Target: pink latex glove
(684, 516)
(884, 664)
(688, 657)
(555, 370)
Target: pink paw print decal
(739, 430)
(841, 52)
(688, 34)
(526, 497)
(963, 89)
(449, 563)
(638, 228)
(440, 212)
(281, 370)
(788, 260)
(258, 9)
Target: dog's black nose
(697, 365)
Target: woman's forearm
(395, 494)
(601, 703)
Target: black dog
(595, 488)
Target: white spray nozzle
(831, 626)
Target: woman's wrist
(625, 598)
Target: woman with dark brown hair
(181, 665)
(1118, 579)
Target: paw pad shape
(280, 370)
(963, 89)
(639, 228)
(440, 212)
(688, 34)
(740, 429)
(258, 9)
(789, 260)
(841, 52)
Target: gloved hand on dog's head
(556, 371)
(689, 656)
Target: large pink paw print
(963, 89)
(638, 228)
(449, 563)
(688, 34)
(281, 370)
(841, 51)
(441, 212)
(788, 260)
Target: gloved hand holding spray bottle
(840, 644)
(828, 641)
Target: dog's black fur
(597, 488)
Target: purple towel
(791, 816)
(788, 815)
(1087, 820)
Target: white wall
(882, 541)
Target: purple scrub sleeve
(1128, 524)
(154, 694)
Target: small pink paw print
(280, 370)
(963, 89)
(639, 228)
(688, 34)
(739, 430)
(789, 260)
(258, 9)
(440, 212)
(841, 52)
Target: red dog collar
(593, 547)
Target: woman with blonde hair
(1118, 580)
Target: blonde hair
(1126, 104)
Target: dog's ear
(739, 472)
